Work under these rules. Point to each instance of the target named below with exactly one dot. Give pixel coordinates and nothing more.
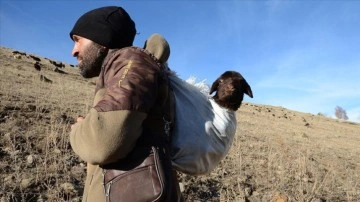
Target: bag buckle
(166, 126)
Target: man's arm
(104, 137)
(110, 130)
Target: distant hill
(278, 154)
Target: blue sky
(301, 55)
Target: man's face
(90, 56)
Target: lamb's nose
(230, 88)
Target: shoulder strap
(169, 113)
(160, 120)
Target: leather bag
(141, 180)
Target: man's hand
(78, 120)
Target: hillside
(278, 154)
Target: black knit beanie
(109, 26)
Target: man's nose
(75, 50)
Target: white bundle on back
(203, 131)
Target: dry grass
(278, 154)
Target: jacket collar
(112, 52)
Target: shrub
(340, 113)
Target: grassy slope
(278, 154)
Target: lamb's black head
(230, 88)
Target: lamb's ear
(248, 90)
(145, 45)
(214, 86)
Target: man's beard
(91, 61)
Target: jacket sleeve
(111, 128)
(104, 137)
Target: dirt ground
(278, 154)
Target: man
(130, 93)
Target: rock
(17, 57)
(317, 200)
(27, 182)
(248, 191)
(68, 187)
(45, 79)
(30, 159)
(9, 179)
(14, 153)
(182, 187)
(40, 199)
(57, 151)
(7, 136)
(280, 198)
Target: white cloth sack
(203, 131)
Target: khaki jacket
(126, 91)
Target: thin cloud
(353, 113)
